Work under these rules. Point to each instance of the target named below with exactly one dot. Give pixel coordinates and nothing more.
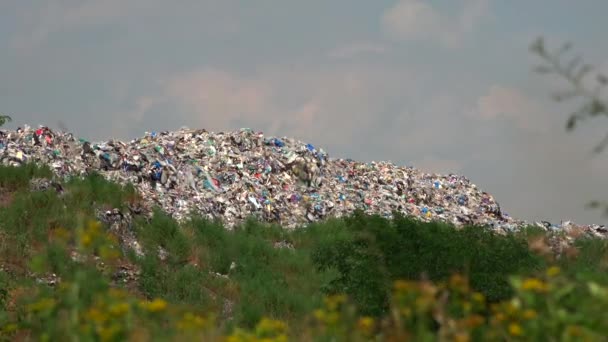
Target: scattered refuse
(283, 245)
(43, 184)
(234, 175)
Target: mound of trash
(235, 175)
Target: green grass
(15, 178)
(358, 255)
(265, 282)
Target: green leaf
(596, 107)
(597, 290)
(571, 123)
(4, 119)
(543, 69)
(538, 47)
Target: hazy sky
(445, 86)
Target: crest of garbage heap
(238, 174)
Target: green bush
(380, 251)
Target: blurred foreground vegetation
(358, 278)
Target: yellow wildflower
(239, 336)
(515, 329)
(117, 293)
(319, 315)
(530, 314)
(462, 337)
(119, 309)
(333, 302)
(365, 325)
(270, 327)
(534, 284)
(191, 321)
(156, 305)
(96, 315)
(86, 240)
(553, 271)
(478, 297)
(109, 333)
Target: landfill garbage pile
(235, 175)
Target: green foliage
(380, 251)
(93, 190)
(360, 261)
(28, 217)
(162, 231)
(17, 178)
(210, 266)
(258, 290)
(4, 119)
(590, 263)
(574, 72)
(585, 84)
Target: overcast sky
(444, 85)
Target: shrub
(380, 251)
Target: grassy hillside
(68, 270)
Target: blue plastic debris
(278, 143)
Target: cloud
(210, 92)
(61, 15)
(414, 20)
(501, 102)
(357, 49)
(210, 98)
(334, 106)
(41, 22)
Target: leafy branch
(575, 72)
(4, 119)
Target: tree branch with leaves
(586, 84)
(575, 72)
(4, 119)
